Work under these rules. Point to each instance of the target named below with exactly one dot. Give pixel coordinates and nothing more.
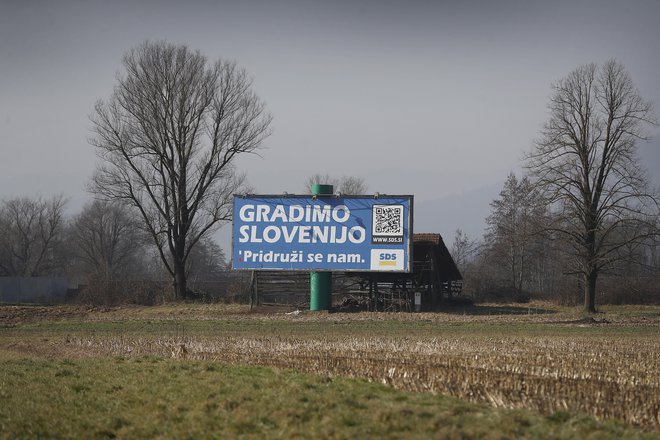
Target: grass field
(213, 371)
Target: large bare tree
(586, 164)
(167, 138)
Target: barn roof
(427, 237)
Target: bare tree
(167, 139)
(586, 165)
(106, 238)
(324, 179)
(30, 229)
(348, 185)
(513, 230)
(463, 250)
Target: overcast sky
(431, 98)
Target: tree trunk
(590, 291)
(180, 281)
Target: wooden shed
(434, 270)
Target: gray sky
(433, 98)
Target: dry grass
(539, 358)
(604, 377)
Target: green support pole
(320, 282)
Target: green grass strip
(152, 397)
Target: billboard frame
(408, 234)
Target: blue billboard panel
(329, 233)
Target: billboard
(325, 233)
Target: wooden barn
(435, 273)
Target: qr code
(388, 220)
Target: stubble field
(535, 371)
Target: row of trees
(585, 208)
(520, 255)
(106, 242)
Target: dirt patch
(13, 315)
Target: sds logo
(387, 259)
